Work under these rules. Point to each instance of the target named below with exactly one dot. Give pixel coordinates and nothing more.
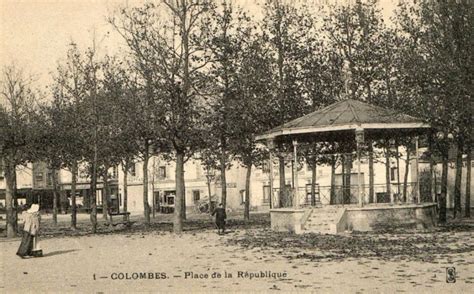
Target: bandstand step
(321, 219)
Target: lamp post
(210, 176)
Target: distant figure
(220, 218)
(31, 228)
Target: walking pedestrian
(220, 218)
(31, 227)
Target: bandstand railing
(344, 195)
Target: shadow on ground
(59, 252)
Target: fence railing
(342, 195)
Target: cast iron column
(296, 203)
(359, 134)
(270, 146)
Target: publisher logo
(450, 275)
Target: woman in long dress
(30, 231)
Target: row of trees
(202, 78)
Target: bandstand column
(270, 146)
(432, 169)
(417, 188)
(359, 132)
(296, 203)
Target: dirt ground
(250, 258)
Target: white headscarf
(33, 208)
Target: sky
(34, 34)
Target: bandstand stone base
(375, 218)
(287, 219)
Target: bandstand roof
(342, 118)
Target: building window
(382, 197)
(266, 167)
(133, 170)
(242, 196)
(196, 195)
(114, 172)
(393, 174)
(162, 172)
(39, 177)
(168, 197)
(266, 194)
(49, 179)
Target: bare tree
(17, 100)
(165, 44)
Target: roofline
(332, 128)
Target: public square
(332, 139)
(112, 260)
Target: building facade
(162, 188)
(24, 180)
(34, 184)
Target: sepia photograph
(240, 146)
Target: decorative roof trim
(332, 128)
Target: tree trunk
(125, 185)
(283, 197)
(178, 217)
(15, 200)
(55, 195)
(209, 191)
(457, 180)
(405, 177)
(153, 198)
(180, 200)
(333, 180)
(93, 198)
(146, 206)
(105, 194)
(371, 173)
(387, 173)
(87, 201)
(9, 203)
(247, 192)
(63, 201)
(444, 188)
(467, 197)
(313, 183)
(73, 195)
(223, 179)
(183, 203)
